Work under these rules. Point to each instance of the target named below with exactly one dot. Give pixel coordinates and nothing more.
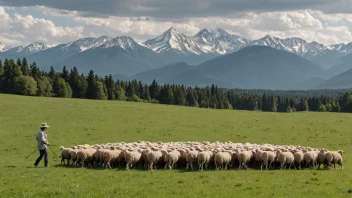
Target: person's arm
(41, 138)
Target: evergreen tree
(191, 100)
(345, 99)
(83, 86)
(51, 72)
(130, 90)
(110, 86)
(1, 69)
(11, 72)
(180, 98)
(169, 99)
(35, 71)
(65, 74)
(153, 90)
(140, 92)
(25, 67)
(74, 81)
(146, 93)
(91, 83)
(19, 63)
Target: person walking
(43, 144)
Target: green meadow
(76, 121)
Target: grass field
(76, 121)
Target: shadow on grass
(180, 170)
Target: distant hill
(254, 67)
(162, 74)
(311, 83)
(344, 65)
(343, 80)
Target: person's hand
(49, 144)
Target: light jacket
(42, 140)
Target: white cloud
(307, 24)
(18, 29)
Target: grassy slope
(75, 122)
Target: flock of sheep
(200, 155)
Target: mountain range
(124, 56)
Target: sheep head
(340, 151)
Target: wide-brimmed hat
(44, 125)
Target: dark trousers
(43, 153)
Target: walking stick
(53, 152)
(30, 154)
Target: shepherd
(43, 144)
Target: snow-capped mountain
(170, 47)
(209, 42)
(343, 48)
(4, 47)
(294, 45)
(34, 47)
(83, 44)
(231, 43)
(125, 42)
(273, 42)
(174, 41)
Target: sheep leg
(289, 167)
(206, 166)
(127, 166)
(244, 165)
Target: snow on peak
(125, 42)
(34, 47)
(293, 45)
(220, 33)
(343, 48)
(84, 44)
(172, 40)
(4, 47)
(208, 42)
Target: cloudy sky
(60, 21)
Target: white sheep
(285, 158)
(153, 158)
(171, 158)
(334, 157)
(222, 159)
(65, 155)
(298, 158)
(203, 159)
(132, 157)
(191, 158)
(268, 157)
(243, 159)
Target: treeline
(19, 77)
